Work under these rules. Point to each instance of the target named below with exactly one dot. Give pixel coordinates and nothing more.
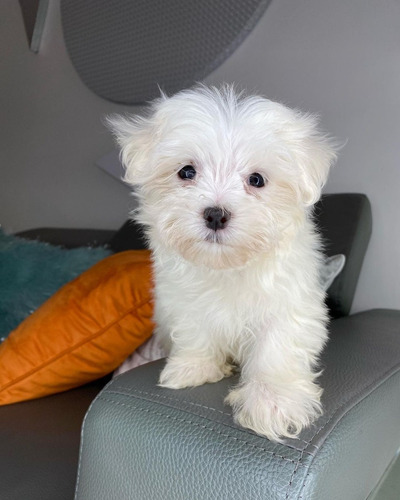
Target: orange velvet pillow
(83, 332)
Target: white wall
(50, 135)
(340, 59)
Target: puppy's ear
(313, 153)
(135, 136)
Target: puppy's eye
(187, 173)
(256, 180)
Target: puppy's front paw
(190, 372)
(274, 415)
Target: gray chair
(140, 441)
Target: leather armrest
(141, 441)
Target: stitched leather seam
(124, 393)
(172, 399)
(303, 485)
(374, 385)
(176, 419)
(296, 468)
(161, 396)
(369, 388)
(317, 431)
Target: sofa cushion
(81, 333)
(31, 271)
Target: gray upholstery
(345, 224)
(144, 442)
(39, 445)
(69, 238)
(124, 49)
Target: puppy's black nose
(216, 217)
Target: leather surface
(345, 224)
(69, 238)
(39, 445)
(129, 237)
(141, 441)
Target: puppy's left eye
(187, 173)
(256, 180)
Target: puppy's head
(221, 177)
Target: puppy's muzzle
(216, 218)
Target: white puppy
(225, 185)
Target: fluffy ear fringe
(314, 154)
(133, 136)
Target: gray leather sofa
(140, 441)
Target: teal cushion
(31, 271)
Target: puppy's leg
(190, 367)
(277, 395)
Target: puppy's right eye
(256, 180)
(187, 173)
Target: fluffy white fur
(247, 294)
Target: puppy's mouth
(215, 238)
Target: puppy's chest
(218, 301)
